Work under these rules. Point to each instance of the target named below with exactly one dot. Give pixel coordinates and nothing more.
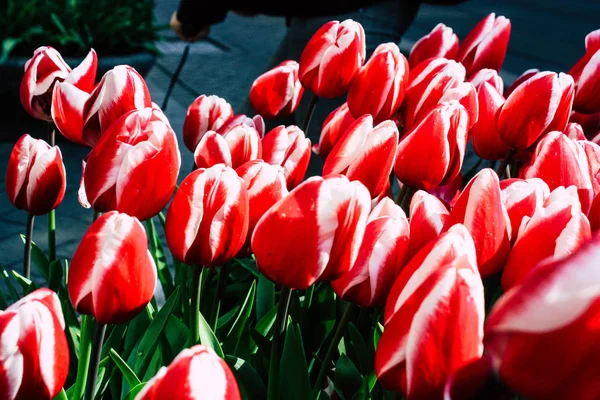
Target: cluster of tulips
(392, 273)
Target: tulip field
(397, 273)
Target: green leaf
(135, 330)
(128, 374)
(260, 333)
(158, 254)
(178, 334)
(265, 297)
(227, 319)
(135, 391)
(232, 339)
(13, 292)
(377, 334)
(294, 384)
(364, 355)
(27, 285)
(39, 259)
(208, 338)
(56, 276)
(251, 384)
(8, 44)
(347, 380)
(249, 264)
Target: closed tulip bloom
(427, 218)
(289, 148)
(34, 354)
(206, 113)
(586, 73)
(334, 127)
(365, 154)
(44, 70)
(539, 105)
(378, 87)
(485, 46)
(112, 275)
(436, 325)
(574, 131)
(520, 79)
(332, 57)
(207, 222)
(487, 144)
(522, 197)
(591, 155)
(383, 252)
(277, 92)
(196, 373)
(594, 214)
(555, 230)
(559, 161)
(122, 89)
(490, 76)
(542, 335)
(68, 104)
(257, 122)
(314, 233)
(137, 146)
(432, 153)
(480, 208)
(440, 42)
(236, 147)
(35, 177)
(590, 123)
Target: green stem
(27, 250)
(502, 170)
(51, 236)
(85, 351)
(51, 134)
(216, 305)
(408, 195)
(309, 114)
(95, 360)
(278, 334)
(62, 395)
(401, 195)
(195, 308)
(341, 329)
(205, 284)
(97, 215)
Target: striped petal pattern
(206, 113)
(440, 42)
(289, 148)
(336, 123)
(427, 218)
(278, 91)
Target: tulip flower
(485, 46)
(434, 318)
(238, 146)
(334, 127)
(441, 42)
(35, 177)
(539, 105)
(590, 123)
(574, 131)
(112, 275)
(256, 122)
(207, 222)
(476, 380)
(289, 148)
(34, 354)
(68, 104)
(195, 373)
(555, 230)
(332, 57)
(489, 76)
(427, 218)
(122, 89)
(594, 214)
(382, 254)
(266, 186)
(487, 144)
(559, 161)
(137, 146)
(449, 192)
(480, 208)
(365, 154)
(432, 153)
(44, 70)
(591, 155)
(586, 73)
(520, 79)
(314, 233)
(206, 113)
(278, 91)
(522, 197)
(542, 335)
(378, 87)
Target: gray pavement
(545, 34)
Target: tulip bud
(278, 91)
(68, 103)
(441, 42)
(207, 222)
(574, 131)
(539, 105)
(34, 354)
(591, 155)
(432, 153)
(137, 146)
(378, 87)
(522, 197)
(434, 318)
(590, 123)
(381, 256)
(489, 76)
(586, 73)
(112, 275)
(485, 46)
(35, 177)
(122, 89)
(487, 144)
(43, 70)
(335, 125)
(206, 113)
(195, 373)
(332, 57)
(289, 148)
(256, 122)
(556, 229)
(522, 78)
(559, 161)
(427, 217)
(531, 328)
(238, 146)
(480, 208)
(312, 234)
